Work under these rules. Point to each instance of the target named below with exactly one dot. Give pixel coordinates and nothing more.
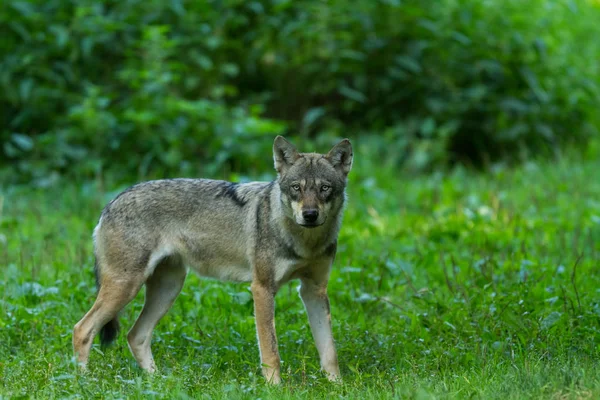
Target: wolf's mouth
(313, 225)
(310, 225)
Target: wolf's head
(312, 185)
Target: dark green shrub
(465, 80)
(136, 87)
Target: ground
(451, 285)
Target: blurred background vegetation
(174, 87)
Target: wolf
(265, 233)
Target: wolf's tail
(110, 330)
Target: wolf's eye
(325, 188)
(296, 187)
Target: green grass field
(462, 285)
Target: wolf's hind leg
(162, 288)
(114, 294)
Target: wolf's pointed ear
(341, 156)
(284, 154)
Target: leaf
(513, 104)
(353, 94)
(534, 84)
(352, 55)
(242, 297)
(25, 89)
(540, 47)
(428, 127)
(36, 290)
(230, 69)
(257, 7)
(10, 150)
(430, 25)
(409, 64)
(61, 33)
(312, 116)
(461, 38)
(365, 298)
(545, 130)
(23, 142)
(87, 45)
(20, 29)
(25, 8)
(551, 320)
(62, 377)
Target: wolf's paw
(272, 376)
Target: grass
(459, 285)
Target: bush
(134, 87)
(465, 80)
(159, 88)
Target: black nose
(310, 215)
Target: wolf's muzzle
(310, 216)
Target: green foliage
(151, 88)
(135, 87)
(459, 286)
(465, 80)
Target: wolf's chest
(286, 269)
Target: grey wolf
(266, 233)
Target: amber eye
(325, 188)
(296, 187)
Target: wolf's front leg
(315, 299)
(264, 311)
